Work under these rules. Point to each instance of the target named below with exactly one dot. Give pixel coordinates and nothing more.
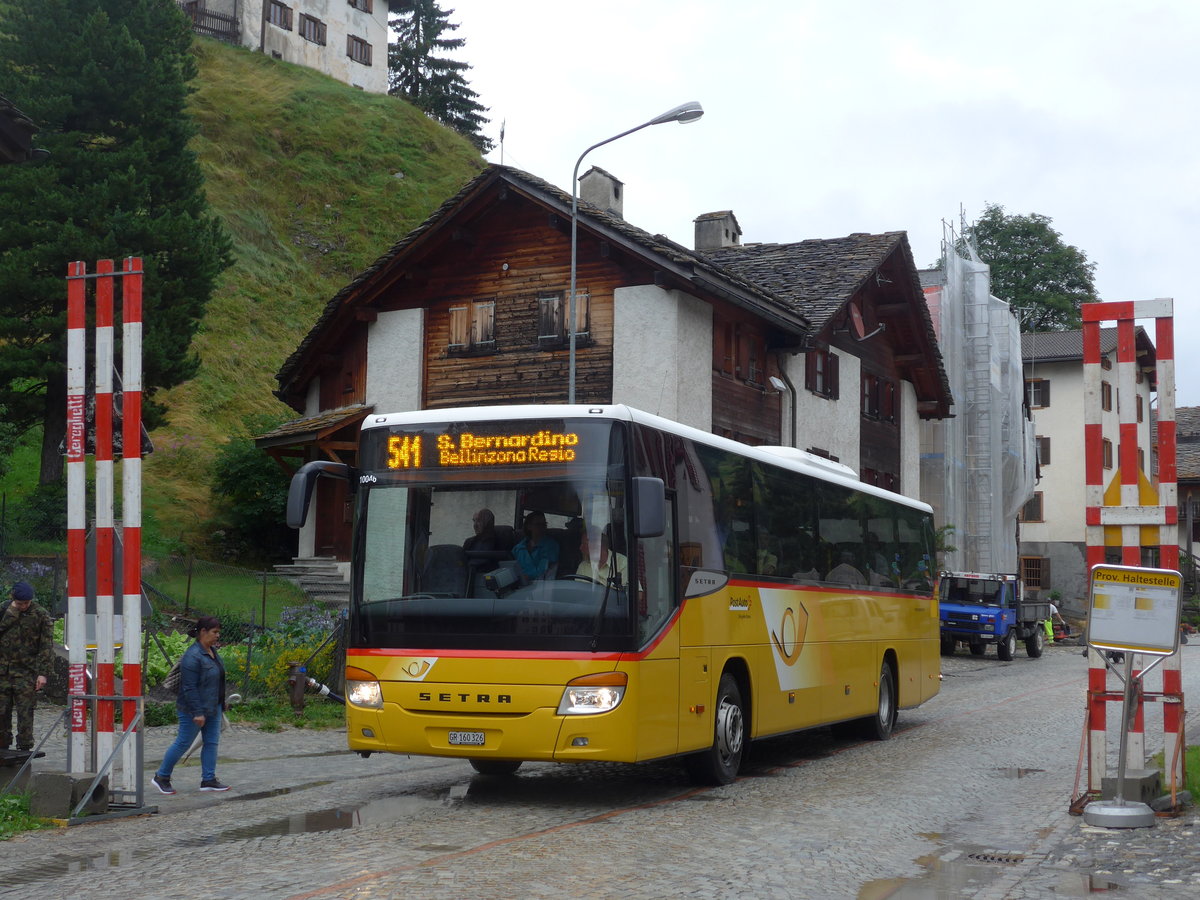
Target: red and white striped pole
(1093, 450)
(1168, 492)
(76, 626)
(131, 496)
(105, 651)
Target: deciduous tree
(106, 81)
(1044, 278)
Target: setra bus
(577, 583)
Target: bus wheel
(1035, 643)
(495, 766)
(879, 726)
(978, 649)
(719, 764)
(1006, 649)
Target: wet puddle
(382, 811)
(377, 812)
(972, 873)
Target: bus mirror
(649, 507)
(301, 489)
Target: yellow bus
(576, 583)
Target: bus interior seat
(506, 537)
(445, 570)
(569, 556)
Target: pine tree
(106, 81)
(436, 85)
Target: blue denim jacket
(202, 682)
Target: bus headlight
(362, 688)
(592, 694)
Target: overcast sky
(824, 118)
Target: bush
(42, 516)
(249, 493)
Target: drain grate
(1006, 859)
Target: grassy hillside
(314, 179)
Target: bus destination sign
(413, 451)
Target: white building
(344, 39)
(1053, 545)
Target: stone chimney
(602, 190)
(715, 230)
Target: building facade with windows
(826, 346)
(1053, 545)
(345, 39)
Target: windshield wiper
(609, 583)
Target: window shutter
(810, 370)
(833, 376)
(1045, 573)
(1046, 392)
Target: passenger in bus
(536, 553)
(877, 563)
(609, 566)
(484, 538)
(845, 571)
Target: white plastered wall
(910, 442)
(662, 354)
(828, 425)
(395, 350)
(340, 20)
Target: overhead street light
(687, 112)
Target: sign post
(1132, 610)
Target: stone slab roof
(816, 277)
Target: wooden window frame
(366, 6)
(1107, 447)
(1037, 393)
(474, 327)
(821, 373)
(358, 50)
(1106, 396)
(279, 14)
(1043, 450)
(1141, 412)
(1034, 509)
(553, 309)
(312, 29)
(1035, 572)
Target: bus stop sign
(1134, 610)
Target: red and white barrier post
(1132, 514)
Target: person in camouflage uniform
(26, 646)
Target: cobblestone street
(969, 799)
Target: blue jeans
(187, 733)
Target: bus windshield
(494, 535)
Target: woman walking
(199, 707)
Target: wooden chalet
(823, 345)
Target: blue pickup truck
(980, 609)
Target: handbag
(173, 678)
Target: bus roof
(783, 457)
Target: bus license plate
(469, 738)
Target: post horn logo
(789, 639)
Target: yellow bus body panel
(812, 656)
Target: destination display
(421, 450)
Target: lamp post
(687, 112)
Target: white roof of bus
(825, 470)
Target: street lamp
(687, 112)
